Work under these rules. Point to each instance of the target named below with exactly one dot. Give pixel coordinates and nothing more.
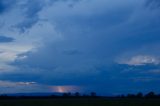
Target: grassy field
(81, 102)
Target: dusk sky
(107, 46)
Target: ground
(80, 102)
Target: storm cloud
(83, 43)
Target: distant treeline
(63, 95)
(140, 95)
(79, 95)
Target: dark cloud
(6, 5)
(2, 7)
(93, 34)
(99, 37)
(4, 39)
(153, 4)
(30, 10)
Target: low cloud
(26, 83)
(7, 87)
(140, 60)
(14, 84)
(4, 39)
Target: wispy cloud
(14, 84)
(140, 60)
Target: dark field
(80, 102)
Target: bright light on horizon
(63, 89)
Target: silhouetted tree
(77, 94)
(85, 95)
(131, 96)
(150, 95)
(93, 94)
(139, 95)
(122, 96)
(66, 94)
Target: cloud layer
(81, 43)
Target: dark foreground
(80, 102)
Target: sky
(106, 46)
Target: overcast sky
(106, 46)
